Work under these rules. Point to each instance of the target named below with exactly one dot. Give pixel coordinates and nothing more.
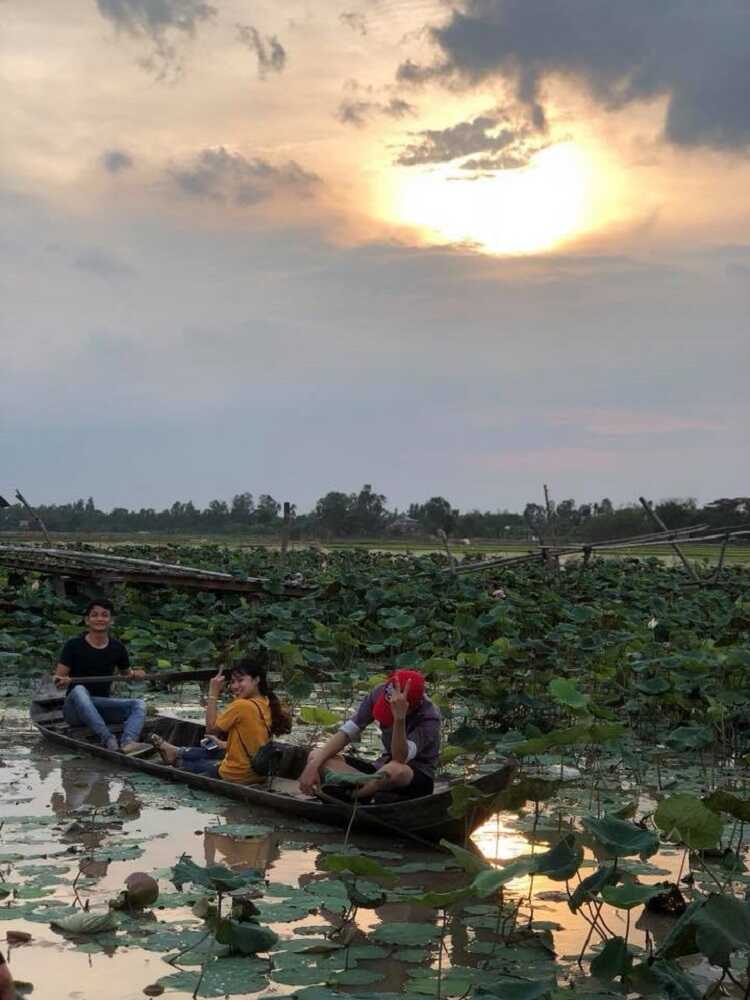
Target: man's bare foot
(168, 751)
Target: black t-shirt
(84, 660)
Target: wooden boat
(424, 819)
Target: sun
(522, 211)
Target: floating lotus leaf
(685, 818)
(456, 981)
(442, 900)
(222, 977)
(406, 934)
(357, 864)
(216, 877)
(245, 937)
(85, 923)
(618, 839)
(516, 989)
(355, 977)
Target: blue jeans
(200, 760)
(80, 709)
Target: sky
(445, 248)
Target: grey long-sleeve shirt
(422, 732)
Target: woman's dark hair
(281, 721)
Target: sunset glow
(527, 210)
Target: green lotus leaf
(685, 818)
(588, 887)
(312, 715)
(629, 894)
(245, 937)
(565, 692)
(85, 923)
(613, 961)
(619, 839)
(357, 864)
(723, 801)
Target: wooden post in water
(286, 528)
(35, 516)
(660, 524)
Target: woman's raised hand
(216, 685)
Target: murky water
(73, 829)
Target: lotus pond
(615, 865)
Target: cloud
(694, 54)
(154, 20)
(270, 53)
(116, 160)
(502, 145)
(354, 20)
(358, 110)
(100, 262)
(218, 175)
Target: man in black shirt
(96, 654)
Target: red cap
(381, 710)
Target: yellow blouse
(246, 722)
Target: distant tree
(436, 514)
(367, 512)
(331, 511)
(266, 511)
(677, 513)
(242, 508)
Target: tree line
(365, 514)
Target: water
(76, 823)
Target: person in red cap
(410, 731)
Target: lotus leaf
(471, 862)
(245, 937)
(406, 934)
(85, 923)
(716, 926)
(356, 864)
(613, 961)
(629, 894)
(312, 715)
(674, 981)
(222, 977)
(618, 838)
(685, 818)
(592, 884)
(517, 989)
(723, 801)
(690, 738)
(219, 878)
(566, 693)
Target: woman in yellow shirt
(244, 726)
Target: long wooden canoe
(424, 818)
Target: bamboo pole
(35, 516)
(660, 524)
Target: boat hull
(422, 819)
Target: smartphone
(209, 743)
